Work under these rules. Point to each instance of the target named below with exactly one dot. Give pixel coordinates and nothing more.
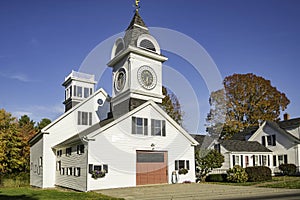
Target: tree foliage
(43, 123)
(171, 105)
(206, 161)
(12, 158)
(246, 101)
(237, 174)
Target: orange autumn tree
(246, 101)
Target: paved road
(201, 191)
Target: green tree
(206, 161)
(27, 131)
(11, 146)
(248, 100)
(171, 105)
(43, 123)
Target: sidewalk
(201, 191)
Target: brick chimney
(286, 116)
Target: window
(235, 160)
(271, 140)
(264, 160)
(147, 44)
(97, 167)
(79, 91)
(62, 172)
(255, 160)
(68, 151)
(105, 167)
(182, 164)
(217, 147)
(58, 166)
(158, 127)
(150, 157)
(40, 161)
(139, 126)
(69, 171)
(86, 92)
(59, 153)
(282, 159)
(76, 171)
(84, 118)
(80, 149)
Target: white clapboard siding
(73, 161)
(36, 168)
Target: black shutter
(285, 159)
(105, 167)
(242, 162)
(145, 126)
(274, 140)
(187, 165)
(176, 164)
(253, 160)
(274, 160)
(133, 125)
(152, 127)
(163, 128)
(263, 140)
(268, 160)
(233, 160)
(91, 168)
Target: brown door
(151, 167)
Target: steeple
(136, 28)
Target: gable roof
(37, 136)
(242, 136)
(243, 146)
(204, 141)
(100, 127)
(290, 124)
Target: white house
(128, 136)
(270, 144)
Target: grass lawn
(289, 182)
(27, 193)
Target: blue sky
(42, 41)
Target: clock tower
(136, 61)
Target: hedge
(259, 173)
(288, 169)
(216, 178)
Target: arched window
(147, 44)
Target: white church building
(120, 141)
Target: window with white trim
(80, 149)
(69, 171)
(84, 118)
(68, 151)
(158, 127)
(139, 126)
(76, 171)
(182, 164)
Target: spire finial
(137, 5)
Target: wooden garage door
(151, 167)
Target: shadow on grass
(17, 197)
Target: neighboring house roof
(290, 124)
(243, 146)
(204, 141)
(245, 134)
(276, 127)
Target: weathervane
(137, 5)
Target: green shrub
(259, 173)
(15, 180)
(216, 178)
(237, 174)
(288, 169)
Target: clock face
(120, 79)
(147, 77)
